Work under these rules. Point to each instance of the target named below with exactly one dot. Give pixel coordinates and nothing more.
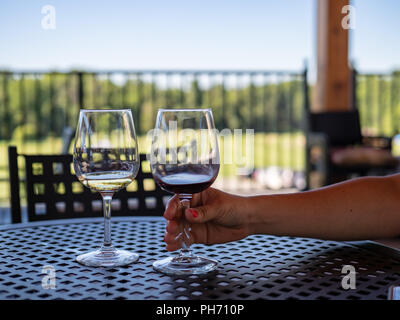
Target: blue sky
(219, 34)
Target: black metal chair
(328, 132)
(54, 192)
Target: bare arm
(364, 208)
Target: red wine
(193, 180)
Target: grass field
(283, 150)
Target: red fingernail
(194, 213)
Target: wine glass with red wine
(184, 160)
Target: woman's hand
(214, 217)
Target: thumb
(201, 214)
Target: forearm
(365, 208)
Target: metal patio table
(258, 267)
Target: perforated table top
(258, 267)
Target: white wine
(107, 180)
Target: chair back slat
(14, 184)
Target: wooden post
(334, 85)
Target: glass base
(107, 258)
(185, 265)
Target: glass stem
(185, 250)
(107, 245)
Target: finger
(199, 234)
(172, 247)
(172, 238)
(172, 227)
(199, 199)
(175, 240)
(201, 214)
(196, 199)
(172, 211)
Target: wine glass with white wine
(106, 160)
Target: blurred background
(317, 80)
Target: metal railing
(36, 106)
(54, 98)
(378, 101)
